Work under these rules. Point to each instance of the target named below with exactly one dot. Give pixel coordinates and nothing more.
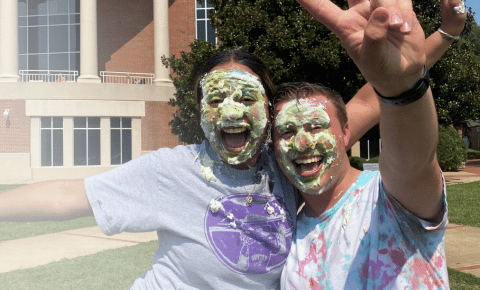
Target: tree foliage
(186, 120)
(456, 76)
(295, 47)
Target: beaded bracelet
(412, 95)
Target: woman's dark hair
(241, 57)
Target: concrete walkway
(462, 247)
(462, 242)
(40, 250)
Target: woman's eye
(215, 102)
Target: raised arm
(364, 109)
(386, 42)
(48, 200)
(453, 22)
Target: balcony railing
(48, 76)
(110, 77)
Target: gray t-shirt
(218, 227)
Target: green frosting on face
(290, 122)
(233, 99)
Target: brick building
(473, 134)
(82, 86)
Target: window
(86, 141)
(49, 34)
(51, 134)
(121, 140)
(370, 143)
(205, 30)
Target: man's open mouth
(235, 138)
(308, 166)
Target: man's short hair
(299, 90)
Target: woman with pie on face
(223, 214)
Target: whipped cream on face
(233, 103)
(301, 147)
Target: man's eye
(248, 100)
(316, 127)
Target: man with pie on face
(366, 230)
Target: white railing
(110, 77)
(48, 76)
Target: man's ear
(346, 134)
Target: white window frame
(73, 21)
(121, 129)
(53, 153)
(205, 20)
(87, 129)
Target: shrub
(451, 149)
(473, 154)
(356, 162)
(373, 160)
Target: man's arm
(363, 109)
(48, 200)
(386, 42)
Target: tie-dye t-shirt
(368, 240)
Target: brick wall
(125, 44)
(14, 131)
(125, 35)
(156, 132)
(181, 16)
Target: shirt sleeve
(406, 218)
(127, 197)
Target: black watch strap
(412, 95)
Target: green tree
(295, 47)
(456, 76)
(186, 120)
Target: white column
(356, 149)
(67, 141)
(88, 42)
(161, 42)
(105, 142)
(9, 41)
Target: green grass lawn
(18, 230)
(118, 268)
(464, 204)
(110, 269)
(463, 281)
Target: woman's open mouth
(235, 139)
(308, 166)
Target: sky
(475, 5)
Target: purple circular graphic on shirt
(245, 237)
